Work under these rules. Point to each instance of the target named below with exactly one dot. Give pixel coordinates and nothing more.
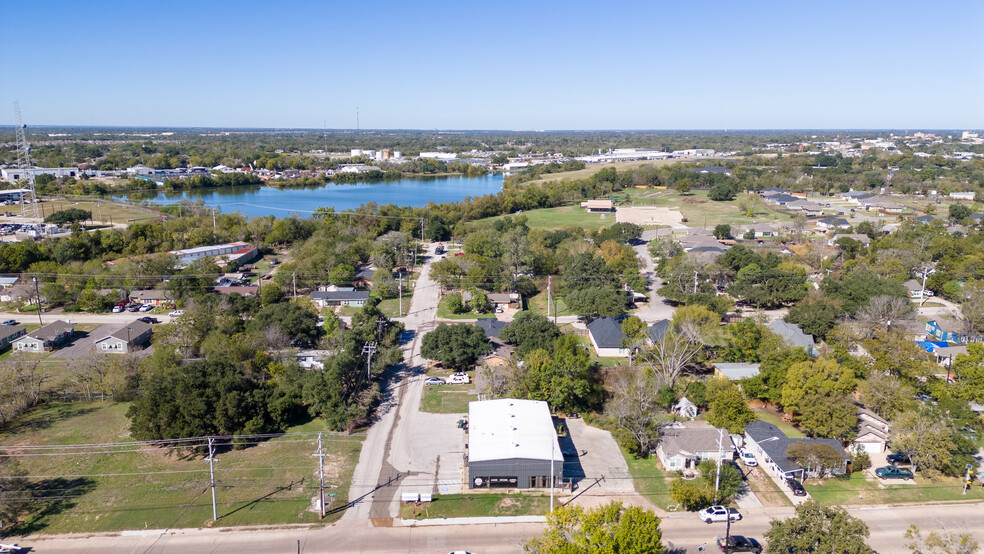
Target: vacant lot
(650, 215)
(860, 490)
(447, 399)
(478, 505)
(124, 487)
(564, 216)
(102, 210)
(591, 169)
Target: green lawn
(698, 210)
(790, 431)
(538, 304)
(478, 505)
(102, 210)
(269, 483)
(447, 399)
(859, 490)
(563, 216)
(649, 478)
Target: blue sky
(501, 65)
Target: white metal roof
(511, 428)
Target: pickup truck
(738, 543)
(893, 472)
(718, 513)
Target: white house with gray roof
(46, 338)
(125, 340)
(607, 338)
(793, 336)
(684, 444)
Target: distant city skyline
(509, 66)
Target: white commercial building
(512, 444)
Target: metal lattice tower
(24, 162)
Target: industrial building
(241, 252)
(512, 444)
(15, 174)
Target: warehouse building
(511, 444)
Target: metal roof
(510, 428)
(737, 372)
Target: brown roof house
(46, 338)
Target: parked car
(796, 487)
(10, 322)
(748, 458)
(145, 308)
(738, 543)
(434, 381)
(713, 514)
(148, 319)
(176, 313)
(459, 379)
(896, 458)
(117, 309)
(893, 472)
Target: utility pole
(37, 293)
(695, 282)
(553, 443)
(549, 303)
(294, 277)
(717, 476)
(211, 472)
(369, 349)
(213, 220)
(399, 276)
(321, 474)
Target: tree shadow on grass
(44, 416)
(51, 497)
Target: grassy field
(478, 505)
(272, 482)
(563, 216)
(447, 399)
(697, 209)
(860, 490)
(790, 431)
(591, 169)
(102, 210)
(538, 304)
(650, 479)
(443, 311)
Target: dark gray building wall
(520, 469)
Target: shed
(512, 443)
(735, 372)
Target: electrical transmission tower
(24, 162)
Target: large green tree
(820, 529)
(607, 528)
(455, 346)
(729, 409)
(530, 331)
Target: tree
(818, 528)
(832, 416)
(821, 377)
(722, 192)
(607, 528)
(530, 331)
(455, 304)
(292, 319)
(696, 322)
(621, 233)
(697, 494)
(924, 439)
(854, 290)
(729, 409)
(941, 541)
(769, 288)
(271, 293)
(722, 231)
(816, 456)
(972, 305)
(71, 215)
(959, 212)
(969, 368)
(683, 186)
(743, 342)
(815, 315)
(885, 394)
(668, 357)
(634, 408)
(480, 301)
(892, 352)
(455, 346)
(883, 312)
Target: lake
(258, 200)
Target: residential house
(491, 326)
(783, 199)
(607, 338)
(770, 445)
(948, 330)
(46, 338)
(363, 277)
(793, 336)
(127, 339)
(833, 223)
(658, 330)
(865, 240)
(883, 205)
(19, 293)
(250, 290)
(873, 432)
(772, 191)
(354, 298)
(946, 354)
(153, 297)
(10, 333)
(927, 219)
(8, 280)
(856, 196)
(684, 444)
(685, 408)
(809, 209)
(506, 300)
(598, 206)
(915, 289)
(761, 230)
(735, 372)
(500, 355)
(312, 359)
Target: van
(459, 379)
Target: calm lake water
(260, 200)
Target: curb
(470, 521)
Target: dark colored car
(893, 472)
(896, 458)
(10, 322)
(148, 319)
(796, 487)
(738, 543)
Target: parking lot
(85, 342)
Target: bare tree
(972, 306)
(86, 372)
(495, 380)
(885, 311)
(942, 541)
(634, 408)
(669, 357)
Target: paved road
(683, 530)
(48, 317)
(656, 309)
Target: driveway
(599, 471)
(657, 308)
(85, 344)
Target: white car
(459, 379)
(176, 313)
(718, 513)
(145, 308)
(748, 459)
(117, 309)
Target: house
(684, 444)
(506, 300)
(512, 443)
(915, 289)
(783, 199)
(658, 330)
(856, 196)
(685, 408)
(948, 330)
(312, 359)
(865, 240)
(607, 338)
(873, 432)
(8, 280)
(833, 223)
(10, 333)
(773, 191)
(883, 205)
(760, 230)
(927, 219)
(598, 206)
(499, 357)
(809, 209)
(127, 339)
(354, 298)
(19, 293)
(153, 297)
(946, 354)
(770, 445)
(242, 291)
(793, 336)
(45, 338)
(363, 277)
(735, 372)
(491, 326)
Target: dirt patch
(650, 215)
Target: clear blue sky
(497, 65)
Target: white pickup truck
(714, 514)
